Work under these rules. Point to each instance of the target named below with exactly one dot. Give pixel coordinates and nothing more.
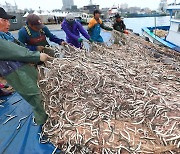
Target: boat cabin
(174, 31)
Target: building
(90, 8)
(13, 9)
(124, 6)
(9, 7)
(67, 4)
(17, 23)
(74, 8)
(163, 6)
(134, 9)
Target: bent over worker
(119, 24)
(34, 34)
(73, 28)
(15, 67)
(94, 27)
(121, 27)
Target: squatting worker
(94, 27)
(16, 69)
(121, 27)
(34, 34)
(73, 28)
(119, 24)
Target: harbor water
(137, 23)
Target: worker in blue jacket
(16, 68)
(34, 34)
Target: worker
(73, 28)
(15, 67)
(94, 27)
(121, 27)
(34, 34)
(119, 24)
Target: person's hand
(126, 32)
(91, 40)
(63, 43)
(44, 57)
(80, 40)
(40, 48)
(6, 86)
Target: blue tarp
(24, 140)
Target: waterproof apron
(39, 41)
(95, 34)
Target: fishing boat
(112, 11)
(171, 37)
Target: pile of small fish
(117, 99)
(160, 32)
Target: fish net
(116, 99)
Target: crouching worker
(121, 27)
(16, 69)
(73, 28)
(34, 34)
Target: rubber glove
(91, 40)
(80, 40)
(126, 32)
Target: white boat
(86, 17)
(172, 39)
(112, 11)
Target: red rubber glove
(126, 32)
(1, 85)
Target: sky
(57, 4)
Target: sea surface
(136, 24)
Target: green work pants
(24, 81)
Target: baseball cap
(4, 15)
(117, 16)
(35, 20)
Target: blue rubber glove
(80, 40)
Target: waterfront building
(67, 4)
(163, 6)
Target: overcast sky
(57, 4)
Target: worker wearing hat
(73, 28)
(15, 67)
(119, 24)
(94, 27)
(121, 27)
(34, 34)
